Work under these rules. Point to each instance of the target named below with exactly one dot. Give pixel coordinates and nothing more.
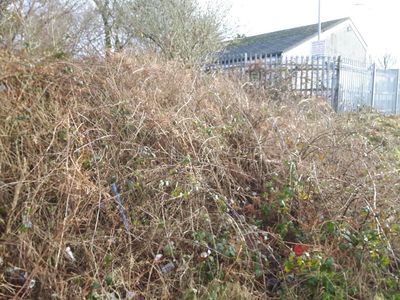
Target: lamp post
(319, 20)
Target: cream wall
(343, 40)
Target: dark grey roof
(278, 41)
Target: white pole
(319, 20)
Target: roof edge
(359, 34)
(339, 21)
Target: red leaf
(299, 249)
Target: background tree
(179, 29)
(39, 27)
(116, 27)
(4, 7)
(387, 61)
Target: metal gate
(346, 84)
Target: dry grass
(201, 163)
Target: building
(334, 68)
(338, 38)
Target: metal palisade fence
(347, 84)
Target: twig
(17, 192)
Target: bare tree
(387, 61)
(178, 28)
(45, 27)
(105, 9)
(4, 7)
(116, 28)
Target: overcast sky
(377, 20)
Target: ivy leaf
(258, 271)
(329, 227)
(327, 265)
(108, 280)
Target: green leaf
(108, 280)
(288, 266)
(169, 250)
(265, 210)
(95, 285)
(327, 265)
(258, 271)
(329, 227)
(395, 228)
(313, 281)
(187, 160)
(282, 229)
(230, 251)
(62, 135)
(22, 228)
(87, 164)
(385, 261)
(108, 259)
(345, 246)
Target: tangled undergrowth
(141, 179)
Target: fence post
(337, 86)
(397, 92)
(373, 86)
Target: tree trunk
(107, 33)
(105, 12)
